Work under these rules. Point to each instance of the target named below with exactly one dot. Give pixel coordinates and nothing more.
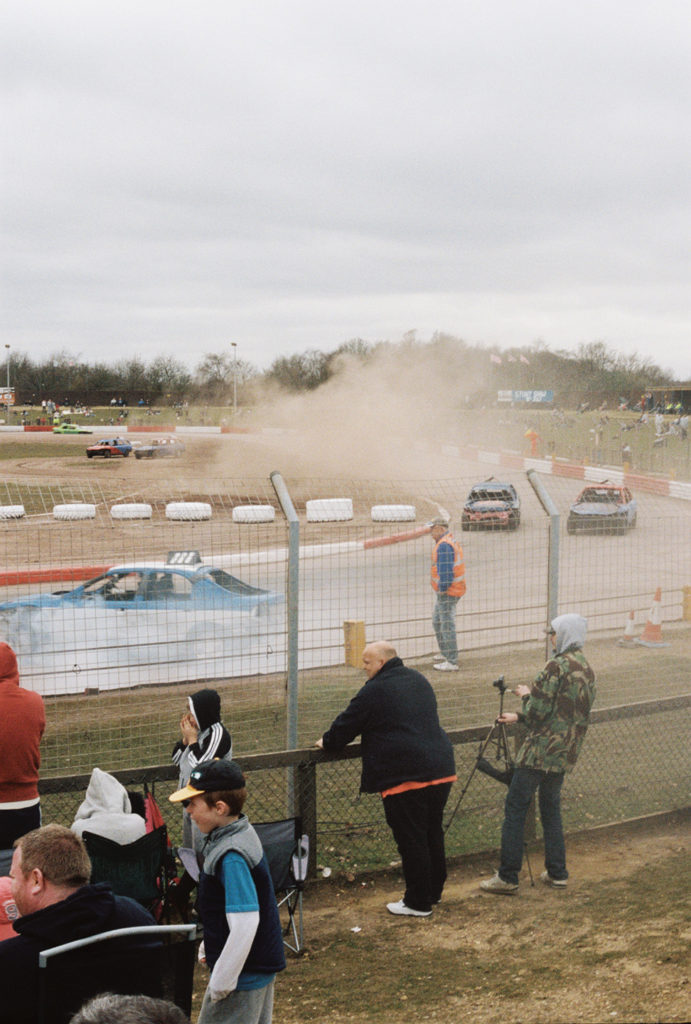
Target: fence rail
(634, 763)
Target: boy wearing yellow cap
(243, 942)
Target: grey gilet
(239, 836)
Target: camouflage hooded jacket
(558, 708)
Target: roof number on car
(183, 558)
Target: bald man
(408, 759)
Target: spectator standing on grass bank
(23, 720)
(204, 737)
(243, 941)
(556, 710)
(408, 759)
(448, 582)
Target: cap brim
(185, 794)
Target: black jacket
(131, 966)
(395, 713)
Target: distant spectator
(23, 720)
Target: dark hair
(234, 798)
(58, 853)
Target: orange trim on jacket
(406, 786)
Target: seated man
(130, 1010)
(56, 904)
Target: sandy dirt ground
(613, 947)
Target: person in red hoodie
(23, 720)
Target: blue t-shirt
(241, 898)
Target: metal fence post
(553, 553)
(307, 808)
(293, 605)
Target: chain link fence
(634, 763)
(116, 674)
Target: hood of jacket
(107, 811)
(205, 705)
(86, 911)
(9, 673)
(104, 794)
(570, 630)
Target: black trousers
(14, 824)
(416, 820)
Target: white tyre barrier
(12, 511)
(134, 510)
(77, 510)
(393, 513)
(254, 514)
(329, 510)
(188, 510)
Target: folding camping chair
(287, 853)
(142, 960)
(135, 869)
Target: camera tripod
(497, 742)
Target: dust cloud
(384, 417)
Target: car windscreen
(485, 494)
(600, 496)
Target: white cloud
(294, 175)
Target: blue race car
(143, 623)
(603, 508)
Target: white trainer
(446, 666)
(400, 908)
(497, 884)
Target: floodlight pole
(8, 384)
(234, 345)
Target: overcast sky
(290, 175)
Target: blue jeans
(444, 622)
(524, 783)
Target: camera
(500, 685)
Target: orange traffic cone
(628, 639)
(652, 633)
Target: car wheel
(126, 454)
(570, 526)
(465, 523)
(107, 454)
(89, 455)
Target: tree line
(594, 373)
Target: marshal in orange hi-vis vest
(457, 588)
